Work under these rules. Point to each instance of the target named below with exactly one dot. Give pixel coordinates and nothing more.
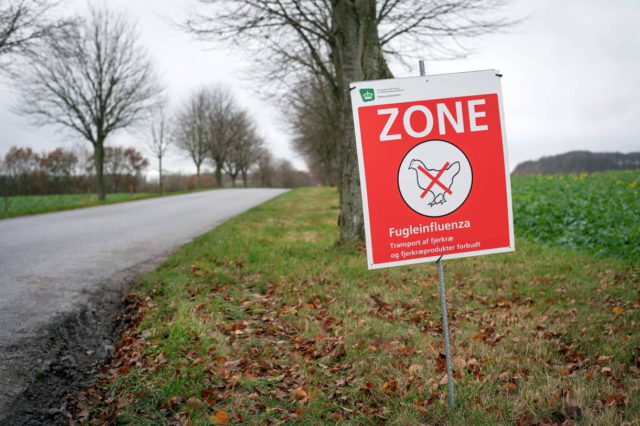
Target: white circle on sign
(435, 178)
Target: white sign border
(444, 86)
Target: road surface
(55, 264)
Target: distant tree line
(579, 162)
(26, 172)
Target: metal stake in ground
(443, 298)
(445, 331)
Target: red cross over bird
(435, 183)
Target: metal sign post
(445, 331)
(443, 303)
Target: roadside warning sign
(433, 167)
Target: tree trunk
(198, 176)
(98, 156)
(160, 183)
(233, 177)
(356, 56)
(219, 165)
(244, 179)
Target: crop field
(598, 213)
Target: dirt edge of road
(65, 356)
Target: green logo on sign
(367, 95)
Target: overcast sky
(571, 78)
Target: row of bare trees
(320, 47)
(211, 126)
(93, 77)
(26, 172)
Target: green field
(35, 204)
(265, 320)
(598, 213)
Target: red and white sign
(433, 167)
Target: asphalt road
(52, 264)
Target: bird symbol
(436, 192)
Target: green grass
(34, 204)
(265, 320)
(595, 212)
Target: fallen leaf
(509, 388)
(415, 369)
(174, 401)
(618, 310)
(615, 400)
(390, 387)
(220, 417)
(479, 337)
(299, 393)
(194, 403)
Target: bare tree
(160, 130)
(94, 78)
(314, 127)
(244, 151)
(224, 121)
(190, 131)
(22, 24)
(343, 41)
(266, 167)
(249, 156)
(208, 126)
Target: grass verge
(25, 205)
(265, 320)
